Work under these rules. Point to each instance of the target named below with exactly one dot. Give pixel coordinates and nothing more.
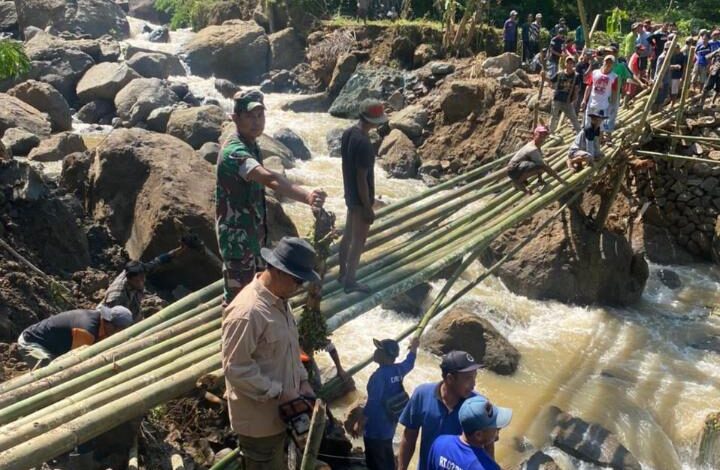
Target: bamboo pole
(594, 27)
(99, 420)
(176, 461)
(133, 461)
(315, 435)
(691, 138)
(686, 87)
(670, 156)
(583, 21)
(75, 357)
(224, 463)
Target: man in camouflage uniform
(240, 194)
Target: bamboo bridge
(49, 411)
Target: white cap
(539, 15)
(513, 13)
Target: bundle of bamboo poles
(85, 393)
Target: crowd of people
(590, 85)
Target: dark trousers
(379, 454)
(510, 46)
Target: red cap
(541, 130)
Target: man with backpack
(386, 400)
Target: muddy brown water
(633, 370)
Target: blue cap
(478, 414)
(388, 346)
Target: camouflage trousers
(237, 273)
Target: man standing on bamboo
(261, 354)
(358, 167)
(240, 194)
(566, 84)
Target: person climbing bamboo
(240, 216)
(128, 288)
(44, 341)
(528, 162)
(358, 167)
(585, 149)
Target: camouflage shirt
(239, 203)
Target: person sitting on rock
(240, 215)
(481, 422)
(585, 149)
(433, 408)
(386, 398)
(44, 341)
(528, 162)
(128, 288)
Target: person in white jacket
(585, 149)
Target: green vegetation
(346, 21)
(13, 60)
(185, 13)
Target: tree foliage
(184, 13)
(13, 60)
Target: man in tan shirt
(261, 353)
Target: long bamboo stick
(315, 435)
(670, 156)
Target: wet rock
(197, 126)
(180, 89)
(590, 442)
(279, 224)
(237, 50)
(709, 448)
(287, 49)
(56, 147)
(344, 68)
(412, 120)
(209, 152)
(9, 19)
(464, 97)
(104, 81)
(334, 141)
(441, 69)
(670, 278)
(57, 62)
(5, 154)
(140, 97)
(140, 183)
(226, 88)
(90, 17)
(424, 54)
(74, 174)
(281, 81)
(19, 141)
(570, 262)
(161, 34)
(158, 119)
(315, 103)
(504, 64)
(538, 461)
(47, 99)
(16, 113)
(411, 302)
(462, 329)
(96, 111)
(715, 248)
(156, 65)
(399, 156)
(293, 142)
(270, 147)
(367, 82)
(145, 10)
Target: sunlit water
(632, 370)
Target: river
(632, 370)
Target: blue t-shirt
(701, 54)
(510, 30)
(451, 453)
(426, 411)
(385, 383)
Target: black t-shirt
(357, 153)
(56, 333)
(658, 39)
(556, 44)
(580, 70)
(677, 59)
(564, 85)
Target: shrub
(13, 60)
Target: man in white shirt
(599, 91)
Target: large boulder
(344, 68)
(412, 120)
(462, 329)
(226, 88)
(270, 147)
(8, 18)
(5, 151)
(145, 10)
(104, 81)
(198, 125)
(504, 64)
(47, 99)
(141, 183)
(571, 262)
(140, 97)
(294, 142)
(57, 62)
(97, 111)
(286, 48)
(411, 302)
(56, 147)
(367, 82)
(156, 64)
(158, 119)
(709, 447)
(398, 155)
(17, 113)
(589, 442)
(94, 18)
(20, 141)
(464, 97)
(236, 50)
